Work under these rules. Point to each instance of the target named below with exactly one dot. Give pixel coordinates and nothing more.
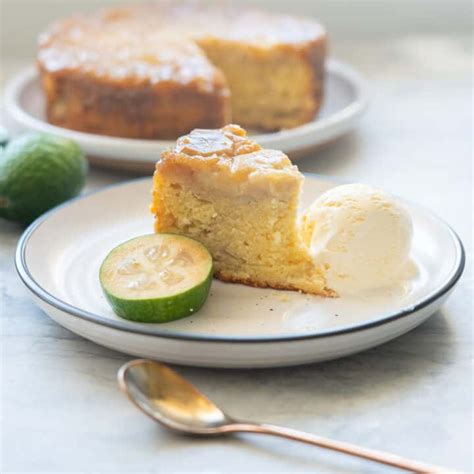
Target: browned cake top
(133, 52)
(156, 43)
(192, 19)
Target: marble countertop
(60, 406)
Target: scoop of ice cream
(361, 236)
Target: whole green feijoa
(37, 172)
(4, 136)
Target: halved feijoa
(157, 278)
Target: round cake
(161, 70)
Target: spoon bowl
(169, 399)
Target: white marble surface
(61, 409)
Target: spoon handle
(347, 448)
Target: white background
(61, 409)
(23, 19)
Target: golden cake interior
(269, 91)
(241, 202)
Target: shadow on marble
(384, 372)
(266, 449)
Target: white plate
(345, 100)
(59, 255)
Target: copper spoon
(168, 398)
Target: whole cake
(161, 70)
(241, 202)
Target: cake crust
(324, 291)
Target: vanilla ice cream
(361, 236)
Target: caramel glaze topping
(229, 141)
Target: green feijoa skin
(4, 137)
(37, 172)
(157, 278)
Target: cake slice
(241, 202)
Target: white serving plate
(59, 255)
(345, 101)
